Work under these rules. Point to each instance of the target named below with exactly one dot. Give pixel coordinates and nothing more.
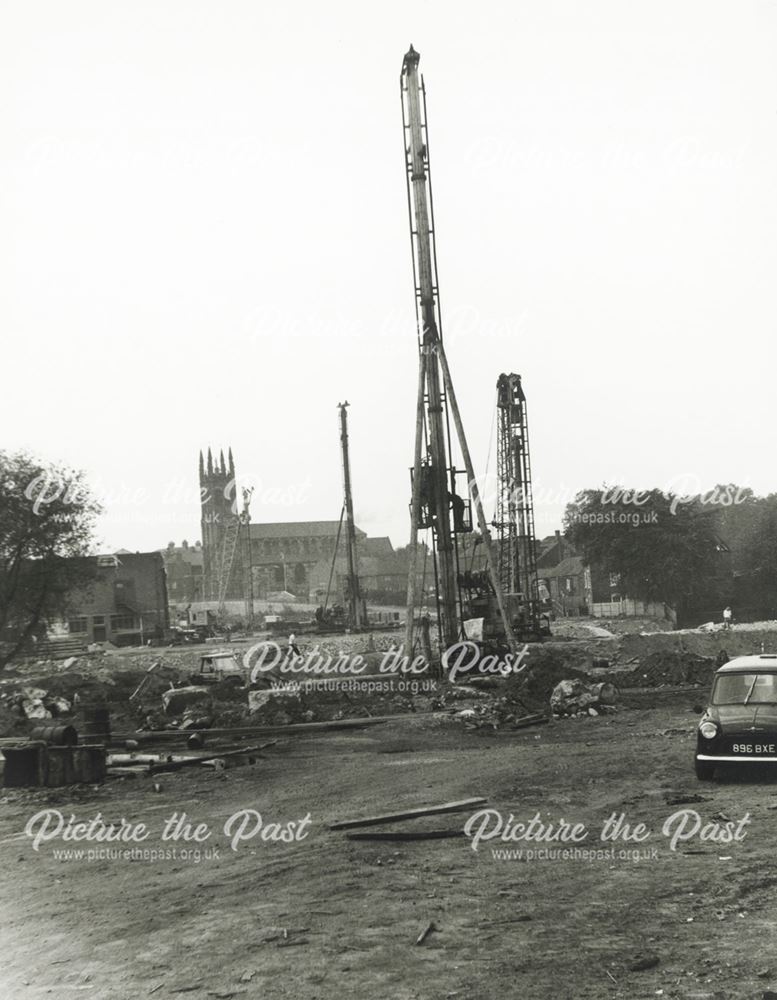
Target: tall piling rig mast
(357, 612)
(436, 503)
(353, 615)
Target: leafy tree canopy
(47, 516)
(664, 547)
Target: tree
(758, 549)
(664, 547)
(47, 516)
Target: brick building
(183, 565)
(125, 603)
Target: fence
(627, 608)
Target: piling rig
(357, 612)
(352, 614)
(436, 503)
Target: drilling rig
(436, 503)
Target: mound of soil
(668, 667)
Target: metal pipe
(415, 505)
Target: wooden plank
(425, 933)
(176, 765)
(447, 807)
(403, 836)
(178, 734)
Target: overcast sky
(204, 240)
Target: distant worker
(293, 647)
(727, 616)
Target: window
(123, 622)
(77, 626)
(124, 592)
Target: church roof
(299, 529)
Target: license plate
(754, 748)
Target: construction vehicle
(220, 666)
(204, 623)
(437, 504)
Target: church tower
(219, 507)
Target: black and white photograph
(388, 500)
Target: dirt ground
(328, 917)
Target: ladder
(231, 535)
(229, 549)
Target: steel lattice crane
(240, 521)
(514, 521)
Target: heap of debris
(575, 697)
(669, 668)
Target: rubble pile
(668, 668)
(546, 666)
(576, 697)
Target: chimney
(560, 544)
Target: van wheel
(704, 770)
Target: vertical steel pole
(354, 590)
(415, 505)
(473, 487)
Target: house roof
(571, 566)
(123, 557)
(376, 547)
(298, 529)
